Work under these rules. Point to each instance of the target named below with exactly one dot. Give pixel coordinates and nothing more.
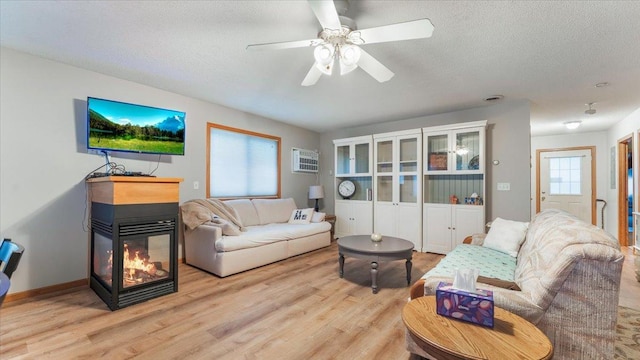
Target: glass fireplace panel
(146, 260)
(103, 258)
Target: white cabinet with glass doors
(397, 185)
(353, 186)
(353, 156)
(453, 184)
(455, 150)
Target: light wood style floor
(295, 309)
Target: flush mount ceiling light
(571, 125)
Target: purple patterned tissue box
(476, 308)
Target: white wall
(597, 139)
(629, 125)
(508, 140)
(43, 158)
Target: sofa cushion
(245, 211)
(274, 210)
(267, 234)
(301, 216)
(506, 236)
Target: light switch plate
(504, 186)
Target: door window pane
(565, 175)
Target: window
(242, 163)
(564, 175)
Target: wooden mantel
(124, 190)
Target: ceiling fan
(341, 40)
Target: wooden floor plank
(298, 308)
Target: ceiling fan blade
(326, 13)
(312, 76)
(409, 30)
(375, 68)
(285, 45)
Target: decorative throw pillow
(301, 216)
(506, 236)
(318, 217)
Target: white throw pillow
(318, 217)
(506, 236)
(301, 216)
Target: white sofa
(268, 237)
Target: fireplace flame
(132, 265)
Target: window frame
(278, 141)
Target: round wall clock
(346, 189)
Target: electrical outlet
(504, 186)
(196, 185)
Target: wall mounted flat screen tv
(118, 126)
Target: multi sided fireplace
(134, 247)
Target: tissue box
(476, 307)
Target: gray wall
(508, 139)
(43, 158)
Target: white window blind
(242, 164)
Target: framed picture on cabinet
(438, 161)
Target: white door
(564, 179)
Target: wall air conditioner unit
(304, 160)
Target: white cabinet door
(468, 220)
(353, 218)
(437, 228)
(343, 219)
(362, 218)
(446, 226)
(385, 218)
(408, 223)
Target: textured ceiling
(549, 52)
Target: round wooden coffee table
(362, 247)
(512, 337)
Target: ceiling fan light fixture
(324, 54)
(572, 125)
(349, 57)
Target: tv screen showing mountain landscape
(118, 126)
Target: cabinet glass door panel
(408, 154)
(467, 150)
(384, 160)
(362, 158)
(437, 152)
(342, 159)
(408, 188)
(384, 187)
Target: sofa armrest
(200, 244)
(417, 289)
(475, 239)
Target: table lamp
(316, 192)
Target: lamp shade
(316, 192)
